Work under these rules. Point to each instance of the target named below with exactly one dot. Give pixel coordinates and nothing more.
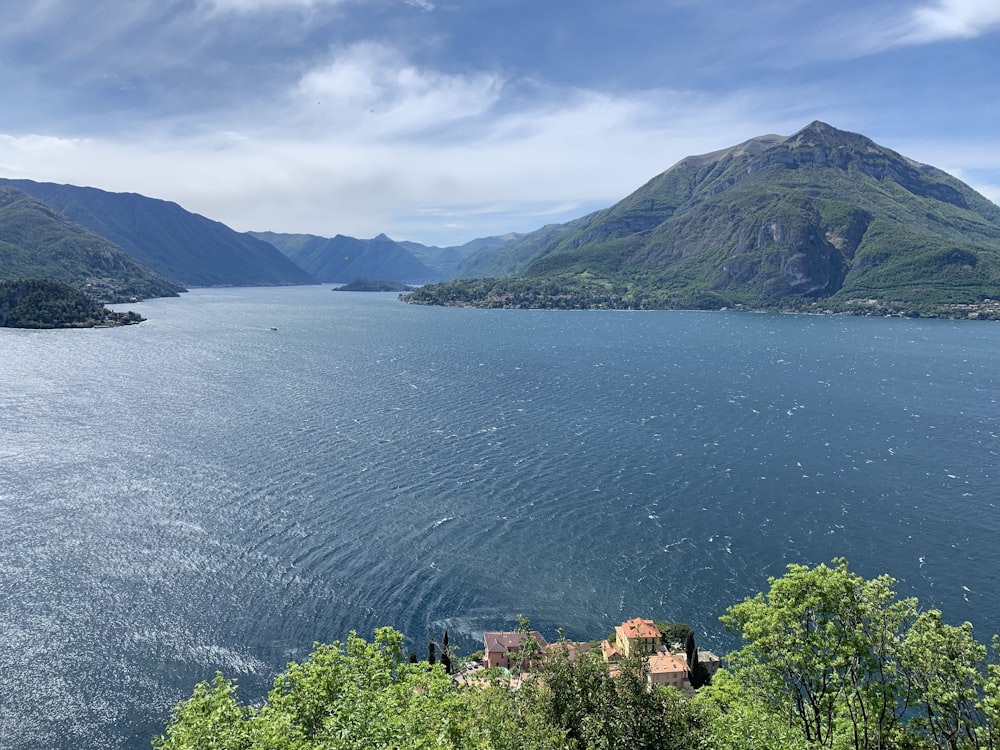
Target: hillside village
(669, 662)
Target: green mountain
(176, 244)
(342, 259)
(446, 260)
(38, 242)
(822, 218)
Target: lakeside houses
(504, 648)
(641, 637)
(635, 637)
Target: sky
(440, 121)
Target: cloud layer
(368, 116)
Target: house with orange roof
(641, 637)
(638, 636)
(666, 668)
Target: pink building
(500, 649)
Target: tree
(211, 717)
(446, 654)
(577, 689)
(989, 704)
(601, 711)
(944, 666)
(732, 718)
(528, 645)
(358, 694)
(674, 632)
(825, 642)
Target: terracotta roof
(640, 628)
(610, 652)
(664, 662)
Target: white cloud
(876, 28)
(550, 161)
(370, 142)
(952, 19)
(369, 88)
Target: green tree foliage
(360, 695)
(944, 669)
(600, 709)
(212, 717)
(849, 664)
(529, 645)
(733, 718)
(829, 660)
(824, 641)
(675, 632)
(44, 303)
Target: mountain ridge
(342, 259)
(822, 214)
(36, 241)
(179, 245)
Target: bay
(254, 470)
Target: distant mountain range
(181, 249)
(821, 218)
(178, 245)
(342, 259)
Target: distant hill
(821, 218)
(341, 259)
(176, 244)
(43, 303)
(512, 258)
(373, 285)
(38, 242)
(448, 260)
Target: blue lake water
(202, 493)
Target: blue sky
(444, 120)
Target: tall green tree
(734, 718)
(945, 669)
(823, 645)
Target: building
(637, 636)
(710, 661)
(666, 668)
(641, 637)
(502, 649)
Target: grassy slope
(38, 242)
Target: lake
(254, 470)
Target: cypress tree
(445, 653)
(692, 651)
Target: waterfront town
(669, 663)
